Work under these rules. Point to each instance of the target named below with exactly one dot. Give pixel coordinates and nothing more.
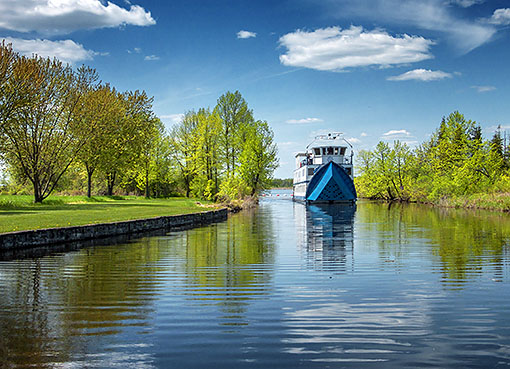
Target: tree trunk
(147, 195)
(37, 194)
(110, 177)
(89, 181)
(254, 190)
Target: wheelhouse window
(336, 150)
(342, 150)
(330, 151)
(317, 151)
(323, 151)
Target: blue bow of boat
(331, 183)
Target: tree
(125, 136)
(206, 157)
(234, 114)
(258, 158)
(151, 149)
(103, 109)
(182, 141)
(39, 130)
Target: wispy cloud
(433, 15)
(304, 121)
(425, 75)
(364, 134)
(466, 3)
(287, 144)
(66, 51)
(246, 34)
(334, 49)
(353, 140)
(136, 50)
(500, 17)
(151, 57)
(61, 17)
(173, 118)
(482, 89)
(396, 133)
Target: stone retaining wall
(40, 237)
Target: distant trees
(456, 161)
(281, 183)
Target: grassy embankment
(489, 201)
(20, 213)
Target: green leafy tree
(234, 114)
(39, 130)
(258, 158)
(103, 108)
(126, 136)
(182, 141)
(206, 155)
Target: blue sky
(374, 69)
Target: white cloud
(151, 57)
(65, 16)
(304, 121)
(433, 15)
(136, 50)
(174, 118)
(394, 133)
(287, 144)
(364, 134)
(484, 88)
(425, 75)
(466, 3)
(66, 51)
(246, 34)
(353, 140)
(501, 17)
(334, 49)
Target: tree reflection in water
(230, 263)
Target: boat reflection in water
(325, 233)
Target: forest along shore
(457, 167)
(65, 131)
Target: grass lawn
(20, 213)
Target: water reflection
(462, 244)
(326, 233)
(281, 286)
(229, 264)
(50, 305)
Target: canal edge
(42, 237)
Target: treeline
(281, 183)
(224, 153)
(64, 130)
(455, 162)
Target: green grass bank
(499, 201)
(19, 213)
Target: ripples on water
(284, 286)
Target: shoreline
(468, 203)
(55, 236)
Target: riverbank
(55, 236)
(480, 201)
(18, 213)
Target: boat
(324, 173)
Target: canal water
(282, 286)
